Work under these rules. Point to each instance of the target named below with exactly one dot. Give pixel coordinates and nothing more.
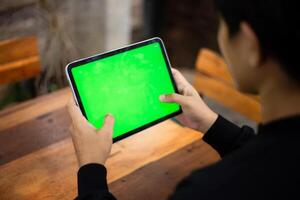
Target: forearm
(92, 183)
(225, 137)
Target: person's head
(259, 40)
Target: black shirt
(262, 166)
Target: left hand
(196, 114)
(91, 145)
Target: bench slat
(228, 97)
(29, 110)
(18, 49)
(19, 59)
(213, 65)
(20, 70)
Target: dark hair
(276, 24)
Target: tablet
(127, 83)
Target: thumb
(173, 98)
(108, 125)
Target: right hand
(196, 114)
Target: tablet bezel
(83, 61)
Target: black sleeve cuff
(91, 178)
(221, 135)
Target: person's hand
(196, 114)
(91, 145)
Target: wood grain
(32, 135)
(213, 65)
(228, 97)
(19, 59)
(20, 70)
(18, 49)
(32, 109)
(158, 179)
(50, 173)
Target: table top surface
(37, 158)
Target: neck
(279, 99)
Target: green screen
(128, 86)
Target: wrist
(207, 122)
(86, 161)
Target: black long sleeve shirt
(262, 166)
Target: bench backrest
(19, 59)
(213, 80)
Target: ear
(251, 42)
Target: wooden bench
(19, 59)
(212, 79)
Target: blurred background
(57, 32)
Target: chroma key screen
(128, 85)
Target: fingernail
(109, 115)
(162, 97)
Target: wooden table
(37, 159)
